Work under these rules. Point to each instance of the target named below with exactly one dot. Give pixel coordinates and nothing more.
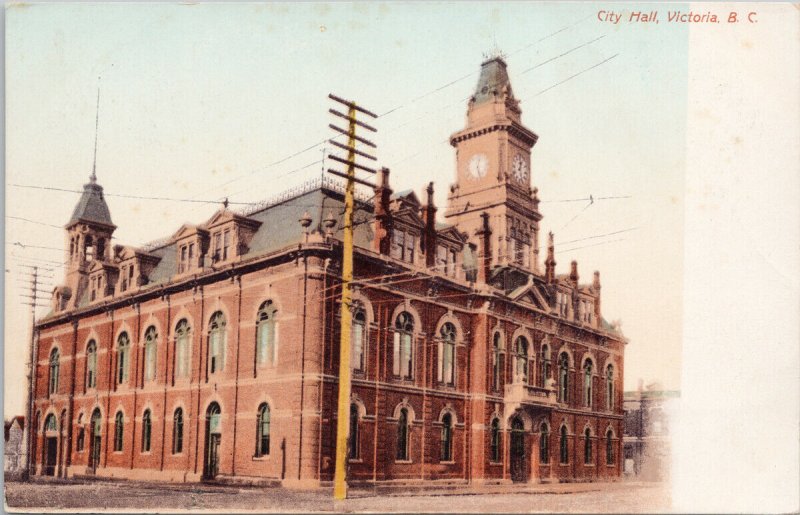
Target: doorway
(95, 426)
(517, 449)
(213, 438)
(51, 455)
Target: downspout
(236, 384)
(166, 380)
(111, 381)
(302, 362)
(199, 374)
(70, 412)
(136, 367)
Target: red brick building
(213, 353)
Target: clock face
(477, 166)
(519, 168)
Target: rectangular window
(183, 262)
(398, 238)
(402, 362)
(226, 242)
(410, 248)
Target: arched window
(544, 443)
(587, 383)
(91, 364)
(147, 428)
(563, 377)
(266, 346)
(54, 369)
(609, 447)
(50, 424)
(447, 352)
(262, 430)
(496, 366)
(358, 338)
(150, 352)
(402, 365)
(123, 357)
(545, 366)
(79, 442)
(353, 440)
(182, 348)
(402, 435)
(495, 450)
(447, 438)
(587, 446)
(177, 431)
(521, 360)
(118, 431)
(213, 418)
(610, 387)
(563, 446)
(216, 343)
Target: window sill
(403, 462)
(563, 464)
(588, 465)
(265, 457)
(356, 460)
(447, 462)
(495, 463)
(611, 465)
(177, 454)
(145, 453)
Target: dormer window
(222, 245)
(563, 301)
(404, 245)
(446, 260)
(186, 257)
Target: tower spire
(93, 177)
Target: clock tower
(493, 172)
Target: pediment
(186, 231)
(224, 216)
(530, 294)
(452, 233)
(408, 217)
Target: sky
(205, 101)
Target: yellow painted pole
(343, 422)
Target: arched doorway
(213, 437)
(518, 462)
(50, 458)
(95, 438)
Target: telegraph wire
(577, 74)
(34, 221)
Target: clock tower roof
(492, 82)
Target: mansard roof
(91, 207)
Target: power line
(577, 74)
(122, 195)
(33, 221)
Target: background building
(14, 453)
(213, 353)
(647, 437)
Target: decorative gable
(135, 267)
(230, 235)
(191, 244)
(102, 279)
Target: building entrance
(213, 437)
(517, 449)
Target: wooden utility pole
(29, 430)
(343, 409)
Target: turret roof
(92, 206)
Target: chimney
(573, 273)
(383, 217)
(596, 286)
(430, 229)
(484, 249)
(550, 262)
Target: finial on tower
(225, 203)
(495, 52)
(93, 177)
